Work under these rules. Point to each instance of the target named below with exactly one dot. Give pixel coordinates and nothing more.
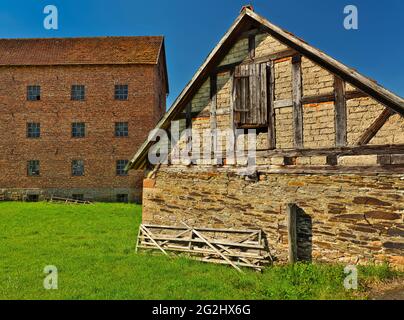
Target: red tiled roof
(69, 51)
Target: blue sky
(192, 28)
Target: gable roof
(244, 21)
(79, 51)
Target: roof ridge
(82, 37)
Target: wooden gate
(238, 248)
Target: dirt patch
(393, 290)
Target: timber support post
(297, 101)
(292, 232)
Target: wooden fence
(238, 248)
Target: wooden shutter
(251, 97)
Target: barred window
(120, 167)
(78, 92)
(122, 198)
(33, 93)
(121, 92)
(78, 129)
(78, 168)
(33, 168)
(33, 130)
(121, 129)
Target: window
(121, 129)
(79, 197)
(120, 167)
(77, 168)
(121, 92)
(78, 92)
(33, 130)
(122, 198)
(251, 96)
(78, 129)
(33, 168)
(33, 93)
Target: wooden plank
(374, 128)
(292, 231)
(340, 113)
(213, 108)
(332, 170)
(319, 99)
(254, 95)
(231, 158)
(342, 151)
(263, 99)
(297, 101)
(283, 103)
(219, 230)
(202, 251)
(251, 46)
(217, 242)
(214, 248)
(150, 236)
(270, 71)
(267, 58)
(189, 115)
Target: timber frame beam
(374, 128)
(297, 100)
(341, 151)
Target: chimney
(248, 6)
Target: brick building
(328, 140)
(72, 112)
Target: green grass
(93, 249)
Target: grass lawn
(93, 249)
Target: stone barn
(326, 139)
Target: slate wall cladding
(344, 218)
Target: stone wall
(345, 218)
(92, 194)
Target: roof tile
(69, 51)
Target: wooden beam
(331, 97)
(297, 101)
(271, 57)
(370, 132)
(340, 113)
(251, 46)
(343, 151)
(188, 118)
(271, 108)
(278, 104)
(213, 107)
(332, 170)
(292, 231)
